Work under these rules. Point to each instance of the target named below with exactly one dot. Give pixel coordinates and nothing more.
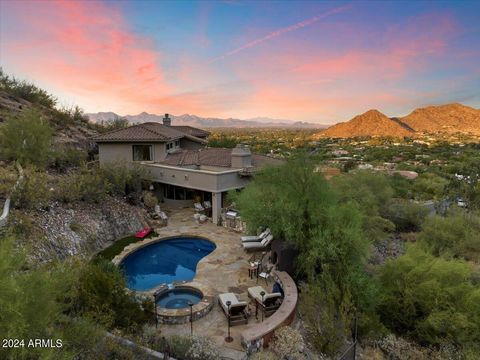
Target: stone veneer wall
(259, 335)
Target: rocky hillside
(81, 229)
(450, 118)
(68, 133)
(371, 123)
(443, 119)
(56, 229)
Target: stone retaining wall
(258, 336)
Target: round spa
(172, 303)
(179, 298)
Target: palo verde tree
(299, 206)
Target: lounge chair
(238, 309)
(198, 207)
(258, 245)
(256, 238)
(269, 303)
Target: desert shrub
(83, 185)
(33, 303)
(33, 192)
(26, 90)
(406, 215)
(288, 344)
(264, 355)
(371, 191)
(21, 224)
(397, 348)
(26, 138)
(126, 180)
(457, 235)
(179, 345)
(187, 347)
(8, 177)
(202, 348)
(429, 186)
(431, 299)
(65, 158)
(149, 199)
(100, 294)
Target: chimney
(241, 156)
(167, 121)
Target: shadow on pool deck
(224, 270)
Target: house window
(142, 153)
(173, 192)
(169, 146)
(177, 143)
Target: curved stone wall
(258, 336)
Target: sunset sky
(313, 61)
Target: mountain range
(204, 122)
(442, 119)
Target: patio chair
(258, 245)
(256, 238)
(269, 303)
(198, 207)
(238, 309)
(266, 274)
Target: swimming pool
(165, 261)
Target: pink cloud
(87, 48)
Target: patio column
(216, 207)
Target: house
(180, 165)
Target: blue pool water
(165, 262)
(179, 298)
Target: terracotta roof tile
(142, 132)
(190, 130)
(213, 157)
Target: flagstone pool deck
(223, 270)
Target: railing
(351, 352)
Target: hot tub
(172, 303)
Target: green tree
(34, 306)
(431, 299)
(33, 192)
(372, 192)
(26, 138)
(457, 235)
(299, 206)
(101, 295)
(429, 186)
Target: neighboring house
(182, 168)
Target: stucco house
(180, 164)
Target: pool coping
(174, 316)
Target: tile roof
(213, 157)
(190, 130)
(150, 131)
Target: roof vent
(167, 121)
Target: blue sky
(314, 61)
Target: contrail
(285, 30)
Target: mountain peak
(370, 123)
